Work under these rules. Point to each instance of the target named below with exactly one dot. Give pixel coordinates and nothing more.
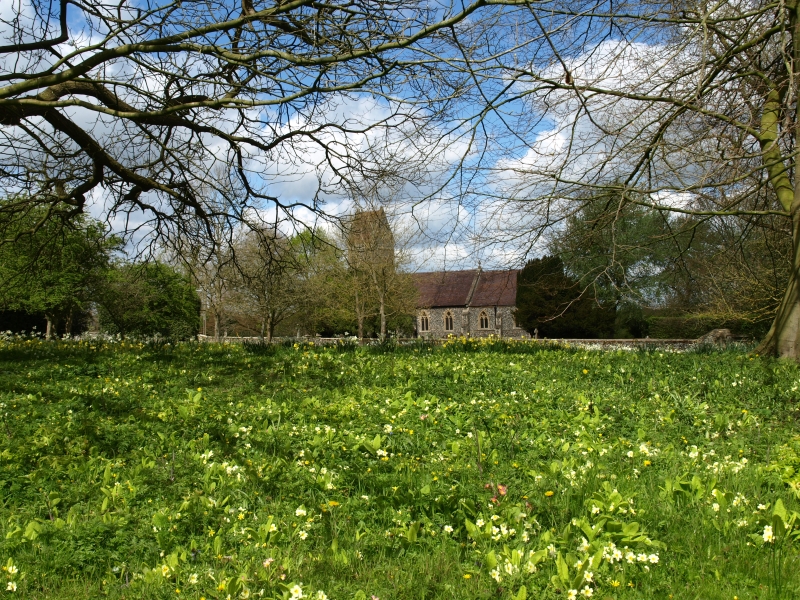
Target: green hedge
(694, 326)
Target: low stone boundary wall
(676, 344)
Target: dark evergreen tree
(550, 302)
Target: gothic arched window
(484, 320)
(448, 321)
(424, 324)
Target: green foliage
(618, 249)
(53, 270)
(552, 303)
(471, 470)
(148, 299)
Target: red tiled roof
(496, 288)
(453, 288)
(443, 288)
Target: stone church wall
(466, 322)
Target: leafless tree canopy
(137, 102)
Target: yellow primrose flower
(549, 493)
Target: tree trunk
(50, 327)
(216, 326)
(784, 334)
(383, 317)
(263, 327)
(68, 326)
(783, 338)
(359, 317)
(270, 327)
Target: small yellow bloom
(647, 463)
(467, 576)
(615, 583)
(586, 371)
(333, 503)
(549, 493)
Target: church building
(474, 303)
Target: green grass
(136, 471)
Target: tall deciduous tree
(56, 270)
(270, 284)
(686, 109)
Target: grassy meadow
(474, 470)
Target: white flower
(584, 545)
(321, 595)
(572, 594)
(715, 507)
(448, 529)
(296, 591)
(768, 535)
(11, 586)
(588, 576)
(496, 575)
(653, 558)
(302, 534)
(630, 557)
(193, 578)
(164, 570)
(300, 512)
(587, 592)
(480, 523)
